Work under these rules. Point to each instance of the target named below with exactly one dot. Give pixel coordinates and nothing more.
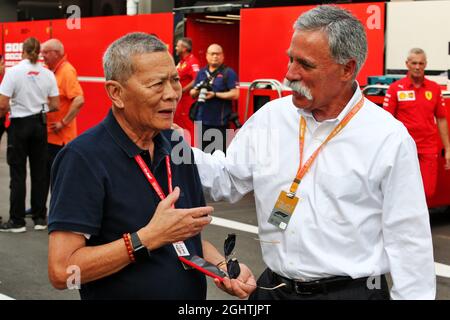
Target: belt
(33, 116)
(316, 286)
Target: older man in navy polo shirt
(110, 220)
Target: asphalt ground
(23, 257)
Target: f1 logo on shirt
(406, 95)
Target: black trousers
(2, 127)
(213, 138)
(27, 138)
(356, 289)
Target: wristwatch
(141, 253)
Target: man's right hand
(169, 225)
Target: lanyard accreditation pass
(179, 246)
(287, 201)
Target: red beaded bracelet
(127, 240)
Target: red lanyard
(303, 169)
(151, 178)
(179, 246)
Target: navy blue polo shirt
(215, 111)
(99, 189)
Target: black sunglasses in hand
(233, 268)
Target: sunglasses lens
(229, 244)
(233, 268)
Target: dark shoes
(40, 224)
(10, 226)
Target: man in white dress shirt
(336, 179)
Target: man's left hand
(241, 287)
(210, 95)
(447, 159)
(56, 126)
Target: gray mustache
(298, 87)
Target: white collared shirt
(29, 86)
(362, 209)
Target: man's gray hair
(117, 60)
(54, 44)
(417, 51)
(346, 36)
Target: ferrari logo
(428, 95)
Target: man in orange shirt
(61, 125)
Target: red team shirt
(187, 70)
(417, 108)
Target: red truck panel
(442, 196)
(266, 33)
(85, 46)
(15, 33)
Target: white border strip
(234, 225)
(442, 270)
(5, 297)
(91, 79)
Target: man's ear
(348, 70)
(115, 92)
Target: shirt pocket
(339, 196)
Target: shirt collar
(60, 63)
(409, 83)
(353, 100)
(162, 145)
